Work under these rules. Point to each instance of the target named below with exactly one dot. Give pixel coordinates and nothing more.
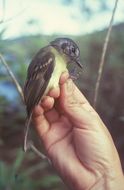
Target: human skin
(76, 140)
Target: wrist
(110, 181)
(115, 182)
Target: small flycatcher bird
(45, 70)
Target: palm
(74, 139)
(66, 138)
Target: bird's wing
(39, 74)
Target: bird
(44, 73)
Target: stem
(17, 85)
(102, 62)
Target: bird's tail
(29, 144)
(28, 122)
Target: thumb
(75, 105)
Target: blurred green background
(20, 171)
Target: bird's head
(68, 48)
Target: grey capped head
(69, 48)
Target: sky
(29, 17)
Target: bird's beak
(78, 63)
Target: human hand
(76, 140)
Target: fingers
(70, 94)
(44, 114)
(76, 105)
(63, 78)
(40, 121)
(47, 103)
(54, 93)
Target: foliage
(13, 179)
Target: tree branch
(102, 63)
(15, 82)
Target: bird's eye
(73, 49)
(64, 45)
